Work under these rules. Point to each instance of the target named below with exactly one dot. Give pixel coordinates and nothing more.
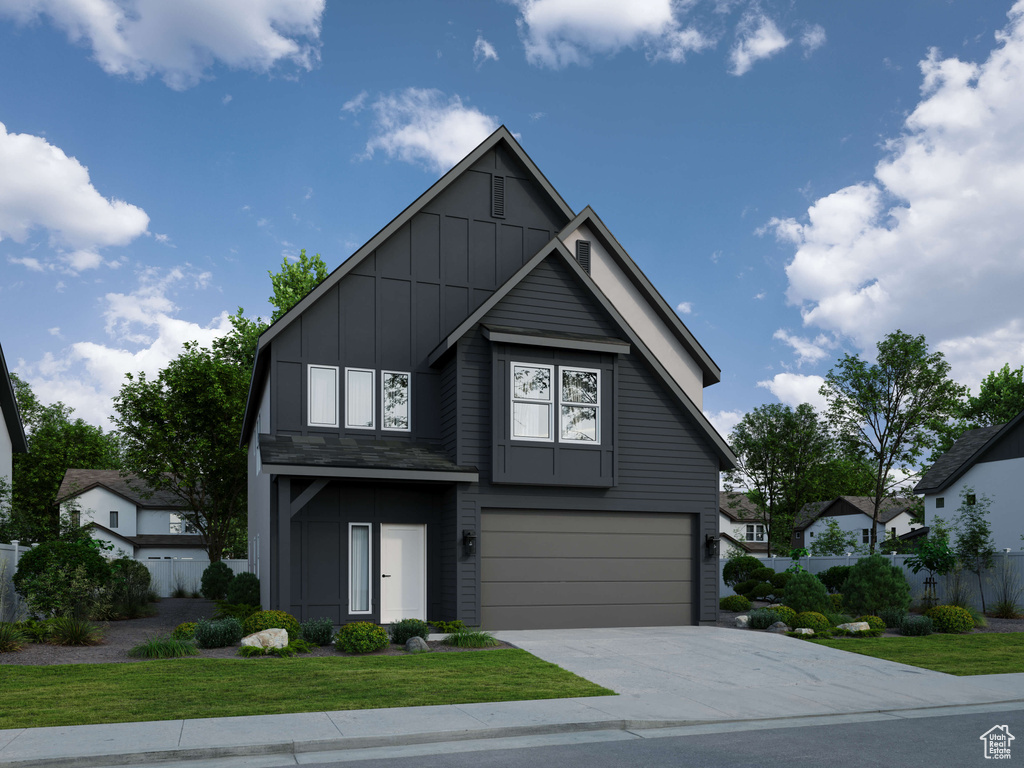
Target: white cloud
(812, 39)
(724, 421)
(181, 40)
(43, 188)
(685, 307)
(28, 262)
(757, 38)
(934, 244)
(356, 104)
(423, 126)
(144, 333)
(807, 351)
(226, 99)
(483, 50)
(792, 389)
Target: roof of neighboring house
(971, 446)
(166, 540)
(78, 481)
(738, 507)
(915, 533)
(889, 509)
(9, 408)
(747, 546)
(359, 457)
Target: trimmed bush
(835, 619)
(837, 601)
(185, 631)
(448, 626)
(62, 578)
(361, 637)
(317, 631)
(806, 593)
(893, 617)
(219, 633)
(834, 577)
(244, 589)
(811, 620)
(736, 603)
(761, 591)
(745, 586)
(272, 620)
(215, 581)
(240, 611)
(873, 584)
(740, 569)
(916, 626)
(785, 613)
(875, 622)
(950, 619)
(762, 618)
(406, 629)
(763, 574)
(780, 580)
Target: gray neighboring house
(853, 514)
(991, 461)
(741, 526)
(486, 413)
(12, 431)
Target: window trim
(756, 530)
(115, 519)
(309, 395)
(408, 401)
(596, 406)
(550, 402)
(369, 569)
(373, 398)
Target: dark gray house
(487, 413)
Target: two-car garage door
(542, 570)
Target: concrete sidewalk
(666, 677)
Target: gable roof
(9, 408)
(712, 374)
(557, 248)
(78, 481)
(746, 546)
(736, 506)
(888, 509)
(964, 454)
(502, 137)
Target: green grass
(990, 653)
(83, 694)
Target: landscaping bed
(727, 619)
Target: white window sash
(359, 398)
(323, 395)
(393, 413)
(360, 554)
(532, 417)
(567, 407)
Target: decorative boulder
(778, 626)
(742, 621)
(268, 638)
(804, 631)
(416, 644)
(855, 626)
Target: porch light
(468, 543)
(710, 545)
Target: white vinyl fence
(12, 608)
(1008, 567)
(171, 575)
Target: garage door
(550, 570)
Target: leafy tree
(932, 555)
(889, 410)
(56, 443)
(873, 585)
(1000, 398)
(834, 541)
(974, 546)
(180, 434)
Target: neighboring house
(991, 461)
(853, 514)
(120, 514)
(741, 525)
(12, 432)
(486, 413)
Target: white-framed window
(755, 532)
(532, 401)
(360, 555)
(113, 518)
(940, 502)
(323, 396)
(359, 398)
(395, 403)
(181, 525)
(580, 397)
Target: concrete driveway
(711, 673)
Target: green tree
(889, 410)
(834, 541)
(180, 434)
(974, 546)
(56, 443)
(1000, 398)
(935, 556)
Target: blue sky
(797, 178)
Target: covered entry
(550, 570)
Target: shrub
(129, 587)
(272, 620)
(244, 589)
(740, 569)
(219, 633)
(979, 617)
(469, 638)
(185, 631)
(785, 613)
(951, 619)
(163, 648)
(247, 651)
(916, 626)
(361, 637)
(448, 626)
(806, 593)
(874, 622)
(835, 619)
(317, 631)
(762, 618)
(834, 577)
(874, 584)
(893, 617)
(745, 586)
(294, 647)
(1005, 609)
(61, 578)
(67, 630)
(37, 631)
(811, 620)
(240, 611)
(761, 591)
(11, 637)
(763, 574)
(215, 581)
(734, 603)
(836, 599)
(780, 580)
(402, 631)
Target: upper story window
(755, 532)
(394, 398)
(359, 400)
(532, 403)
(113, 518)
(580, 401)
(181, 525)
(323, 396)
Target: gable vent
(498, 197)
(583, 254)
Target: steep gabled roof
(9, 407)
(78, 481)
(888, 509)
(587, 217)
(503, 137)
(557, 248)
(964, 454)
(737, 507)
(747, 546)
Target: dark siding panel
(510, 251)
(428, 320)
(291, 399)
(395, 324)
(426, 247)
(1011, 446)
(359, 319)
(320, 330)
(425, 397)
(483, 260)
(535, 240)
(394, 256)
(455, 234)
(456, 306)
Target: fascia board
(9, 405)
(362, 473)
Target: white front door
(403, 572)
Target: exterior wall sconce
(468, 543)
(710, 545)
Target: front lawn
(988, 653)
(83, 694)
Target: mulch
(119, 637)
